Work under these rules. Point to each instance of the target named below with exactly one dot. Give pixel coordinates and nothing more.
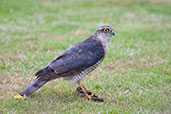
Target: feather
(32, 87)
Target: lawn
(135, 76)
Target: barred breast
(79, 76)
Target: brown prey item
(92, 97)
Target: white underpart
(105, 40)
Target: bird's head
(105, 33)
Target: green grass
(134, 78)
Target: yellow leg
(85, 91)
(18, 96)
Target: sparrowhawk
(74, 63)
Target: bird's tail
(31, 88)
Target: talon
(88, 97)
(18, 96)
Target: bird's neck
(105, 41)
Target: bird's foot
(88, 95)
(18, 96)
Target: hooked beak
(113, 33)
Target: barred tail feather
(32, 87)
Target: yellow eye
(106, 30)
(112, 30)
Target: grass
(134, 78)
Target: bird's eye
(106, 30)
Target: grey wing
(74, 60)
